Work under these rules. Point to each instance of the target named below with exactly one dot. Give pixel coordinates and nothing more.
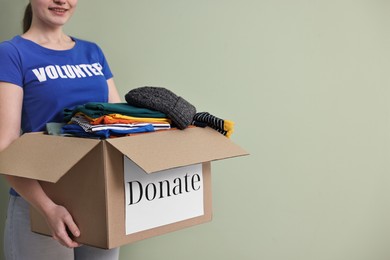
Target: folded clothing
(79, 126)
(86, 124)
(98, 109)
(123, 119)
(77, 130)
(54, 128)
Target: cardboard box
(87, 177)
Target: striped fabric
(211, 121)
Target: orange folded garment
(122, 119)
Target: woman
(43, 71)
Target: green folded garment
(98, 109)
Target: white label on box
(163, 197)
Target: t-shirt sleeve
(10, 66)
(103, 61)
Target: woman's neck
(56, 40)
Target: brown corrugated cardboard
(86, 175)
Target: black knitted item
(211, 121)
(163, 100)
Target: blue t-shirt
(53, 80)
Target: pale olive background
(307, 83)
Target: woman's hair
(27, 19)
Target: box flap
(175, 148)
(43, 157)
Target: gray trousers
(22, 244)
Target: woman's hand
(60, 222)
(57, 217)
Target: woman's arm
(11, 98)
(113, 95)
